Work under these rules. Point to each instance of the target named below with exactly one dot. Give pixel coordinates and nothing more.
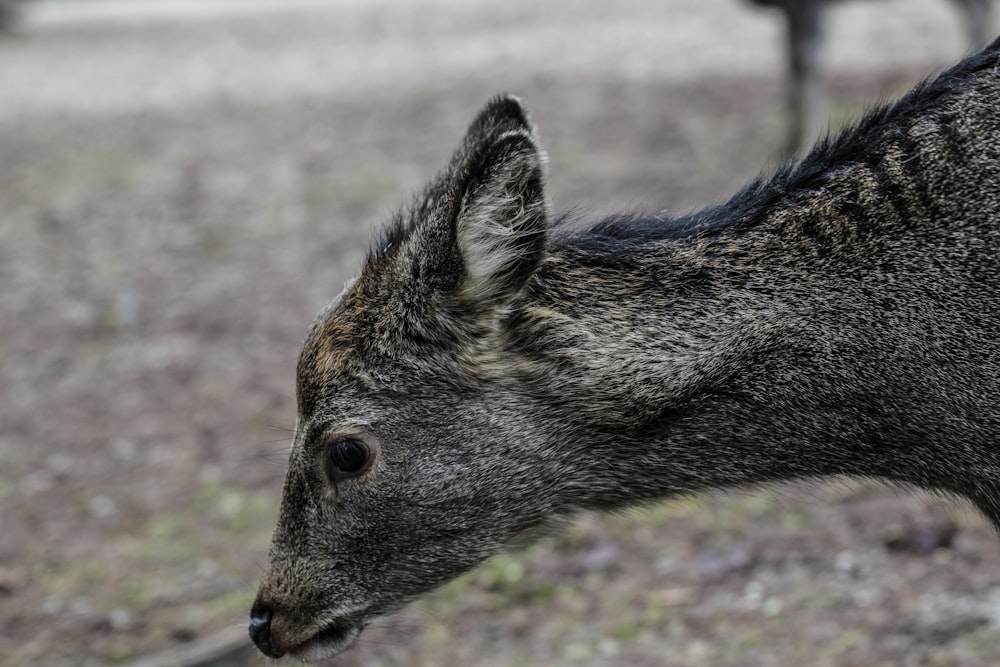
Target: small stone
(103, 507)
(120, 619)
(81, 606)
(848, 563)
(53, 604)
(771, 607)
(124, 449)
(608, 647)
(37, 482)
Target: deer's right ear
(501, 220)
(478, 232)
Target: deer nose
(260, 629)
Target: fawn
(492, 367)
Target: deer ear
(477, 233)
(502, 213)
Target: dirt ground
(183, 185)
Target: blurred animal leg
(806, 104)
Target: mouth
(332, 639)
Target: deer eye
(346, 458)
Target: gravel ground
(184, 184)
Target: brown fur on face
(501, 369)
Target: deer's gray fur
(502, 368)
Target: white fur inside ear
(491, 241)
(497, 222)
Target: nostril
(260, 629)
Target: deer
(10, 15)
(805, 34)
(495, 367)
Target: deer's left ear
(502, 212)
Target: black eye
(346, 457)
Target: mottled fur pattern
(839, 317)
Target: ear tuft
(501, 223)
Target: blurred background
(185, 183)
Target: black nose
(260, 629)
